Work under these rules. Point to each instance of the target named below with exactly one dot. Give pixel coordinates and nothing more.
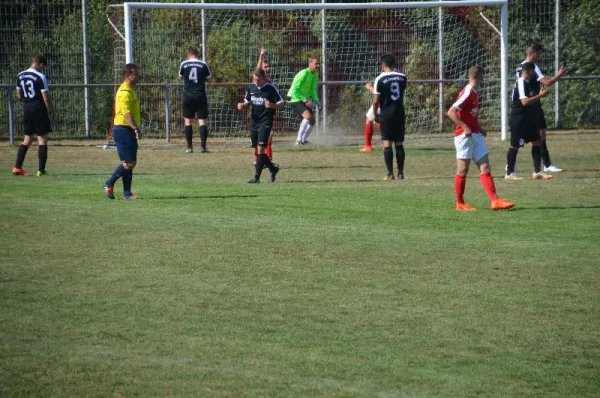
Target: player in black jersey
(388, 96)
(264, 99)
(32, 88)
(523, 123)
(195, 74)
(534, 52)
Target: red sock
(488, 184)
(269, 151)
(368, 133)
(459, 187)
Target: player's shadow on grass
(325, 181)
(556, 208)
(184, 197)
(331, 167)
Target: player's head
(534, 51)
(131, 74)
(388, 61)
(39, 62)
(192, 52)
(475, 74)
(266, 66)
(528, 70)
(259, 78)
(313, 64)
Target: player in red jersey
(266, 66)
(470, 144)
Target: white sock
(306, 132)
(301, 129)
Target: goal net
(434, 47)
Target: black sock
(267, 162)
(511, 160)
(42, 157)
(118, 173)
(536, 153)
(545, 154)
(203, 135)
(189, 132)
(127, 179)
(21, 152)
(259, 165)
(388, 156)
(400, 155)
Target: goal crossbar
(129, 6)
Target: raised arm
(261, 58)
(549, 82)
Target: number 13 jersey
(390, 87)
(32, 83)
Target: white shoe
(516, 170)
(552, 169)
(541, 176)
(189, 150)
(299, 143)
(513, 177)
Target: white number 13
(28, 92)
(395, 89)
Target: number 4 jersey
(390, 87)
(194, 73)
(32, 83)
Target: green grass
(330, 282)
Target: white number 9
(395, 89)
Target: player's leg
(536, 154)
(307, 115)
(202, 112)
(269, 149)
(368, 133)
(543, 125)
(464, 152)
(21, 152)
(127, 148)
(188, 119)
(42, 154)
(300, 108)
(516, 142)
(388, 157)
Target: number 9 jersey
(31, 84)
(390, 87)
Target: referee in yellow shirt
(126, 132)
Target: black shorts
(523, 129)
(260, 135)
(299, 107)
(126, 141)
(392, 131)
(542, 119)
(36, 121)
(195, 108)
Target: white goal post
(130, 7)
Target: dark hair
(260, 73)
(527, 67)
(536, 47)
(193, 50)
(475, 72)
(129, 69)
(39, 59)
(388, 60)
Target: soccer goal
(434, 43)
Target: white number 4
(194, 75)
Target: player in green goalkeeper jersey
(304, 98)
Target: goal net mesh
(354, 41)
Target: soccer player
(264, 99)
(32, 88)
(370, 120)
(388, 94)
(266, 67)
(304, 98)
(126, 132)
(469, 143)
(523, 123)
(534, 52)
(195, 74)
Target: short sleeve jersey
(194, 73)
(467, 104)
(390, 87)
(256, 96)
(535, 84)
(32, 84)
(522, 89)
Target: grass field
(329, 282)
